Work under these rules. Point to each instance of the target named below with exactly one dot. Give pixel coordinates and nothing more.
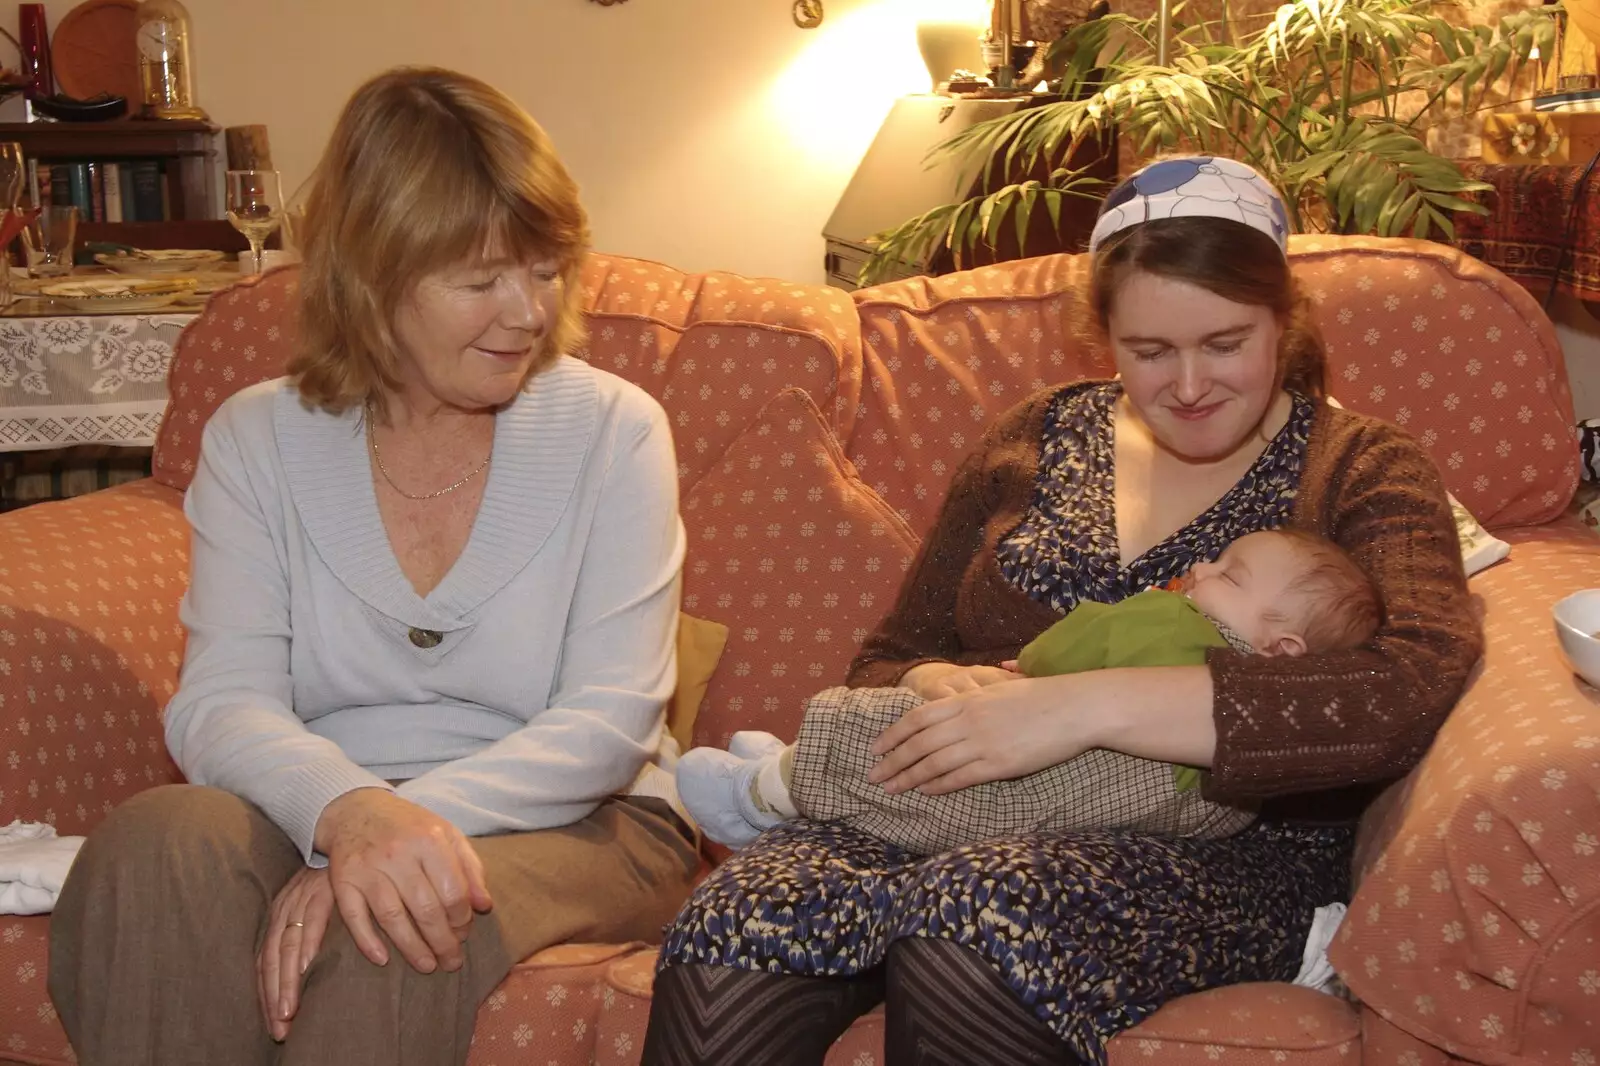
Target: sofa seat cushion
(1266, 1024)
(30, 1030)
(796, 556)
(547, 1008)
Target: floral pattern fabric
(84, 379)
(1094, 931)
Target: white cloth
(33, 866)
(1315, 969)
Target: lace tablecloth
(90, 379)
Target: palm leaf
(1293, 98)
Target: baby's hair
(1341, 605)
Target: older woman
(1042, 947)
(431, 630)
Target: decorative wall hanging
(808, 14)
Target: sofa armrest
(1478, 907)
(90, 647)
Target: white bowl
(1577, 621)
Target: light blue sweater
(307, 675)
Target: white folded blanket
(33, 865)
(1316, 971)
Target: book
(113, 191)
(147, 191)
(97, 192)
(60, 185)
(78, 178)
(130, 207)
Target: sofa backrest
(1418, 333)
(713, 348)
(779, 394)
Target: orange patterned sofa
(816, 432)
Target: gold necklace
(377, 457)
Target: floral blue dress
(1092, 931)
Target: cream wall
(705, 133)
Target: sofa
(816, 432)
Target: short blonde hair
(425, 169)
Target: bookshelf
(183, 153)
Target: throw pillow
(1479, 547)
(700, 644)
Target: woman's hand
(1004, 731)
(403, 865)
(986, 734)
(295, 926)
(935, 681)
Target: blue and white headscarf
(1203, 185)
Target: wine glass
(255, 207)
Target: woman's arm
(618, 664)
(230, 724)
(1266, 726)
(1323, 721)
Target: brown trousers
(154, 939)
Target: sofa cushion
(90, 646)
(714, 348)
(1417, 333)
(547, 1008)
(700, 644)
(30, 1030)
(1472, 369)
(1475, 924)
(799, 558)
(944, 356)
(244, 335)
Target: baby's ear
(1292, 645)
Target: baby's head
(1287, 593)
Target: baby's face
(1246, 588)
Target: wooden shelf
(123, 138)
(188, 151)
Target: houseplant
(1330, 99)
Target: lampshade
(949, 34)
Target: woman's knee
(182, 836)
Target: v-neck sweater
(518, 694)
(1314, 736)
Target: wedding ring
(297, 925)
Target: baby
(1282, 592)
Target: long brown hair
(425, 169)
(1230, 259)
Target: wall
(705, 133)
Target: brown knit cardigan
(1315, 736)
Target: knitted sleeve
(1296, 725)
